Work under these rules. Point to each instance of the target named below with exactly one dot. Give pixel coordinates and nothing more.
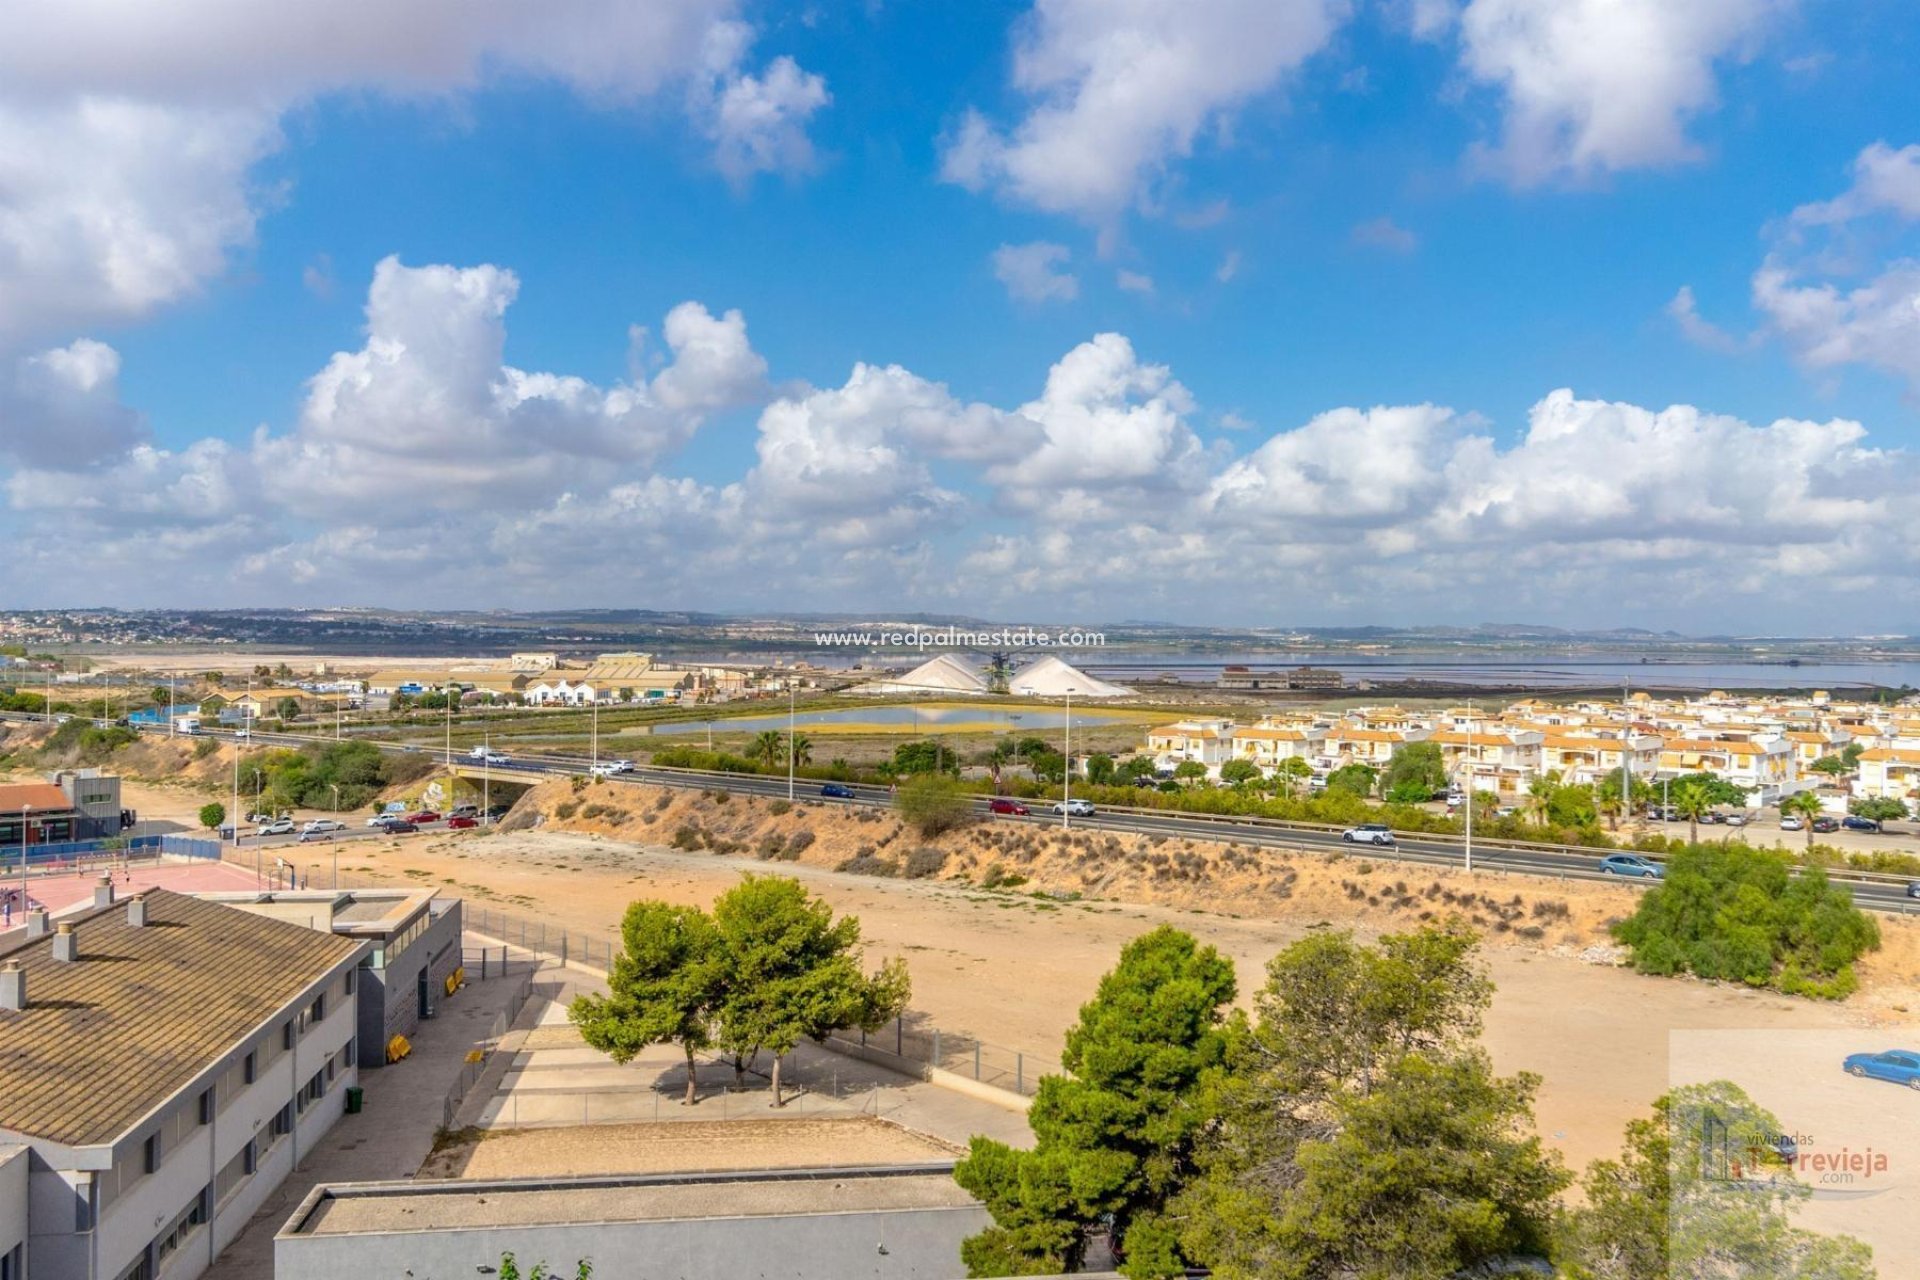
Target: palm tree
(1540, 793)
(1691, 800)
(1807, 805)
(802, 749)
(769, 748)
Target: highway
(1559, 862)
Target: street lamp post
(1066, 767)
(1469, 788)
(25, 810)
(593, 700)
(335, 836)
(789, 739)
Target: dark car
(1913, 888)
(1001, 804)
(1709, 817)
(498, 811)
(423, 817)
(837, 791)
(1854, 822)
(398, 826)
(461, 821)
(1824, 824)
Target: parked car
(1505, 811)
(278, 827)
(423, 817)
(319, 825)
(462, 821)
(836, 791)
(498, 811)
(1077, 808)
(1709, 817)
(1735, 819)
(464, 811)
(397, 826)
(1854, 822)
(1825, 824)
(1000, 804)
(1792, 822)
(1368, 833)
(1631, 864)
(1901, 1066)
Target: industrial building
(166, 1061)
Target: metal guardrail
(722, 779)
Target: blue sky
(1342, 254)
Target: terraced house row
(1768, 745)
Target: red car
(423, 817)
(461, 823)
(1003, 805)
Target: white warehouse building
(164, 1062)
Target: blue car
(1631, 864)
(1902, 1066)
(837, 791)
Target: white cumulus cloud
(1597, 86)
(1035, 272)
(1119, 89)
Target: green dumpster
(354, 1095)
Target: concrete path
(395, 1133)
(544, 1075)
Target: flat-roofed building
(1207, 742)
(414, 953)
(73, 804)
(801, 1224)
(166, 1061)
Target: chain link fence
(910, 1043)
(482, 1052)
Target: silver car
(1368, 833)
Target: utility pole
(1469, 788)
(1626, 764)
(1066, 770)
(593, 697)
(335, 836)
(25, 811)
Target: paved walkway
(544, 1075)
(392, 1137)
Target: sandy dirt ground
(679, 1148)
(1012, 966)
(1012, 969)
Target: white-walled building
(561, 693)
(164, 1061)
(1207, 742)
(1890, 773)
(1765, 765)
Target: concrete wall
(13, 1203)
(921, 1244)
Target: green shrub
(687, 837)
(932, 803)
(925, 861)
(867, 863)
(205, 747)
(1740, 914)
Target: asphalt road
(1881, 893)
